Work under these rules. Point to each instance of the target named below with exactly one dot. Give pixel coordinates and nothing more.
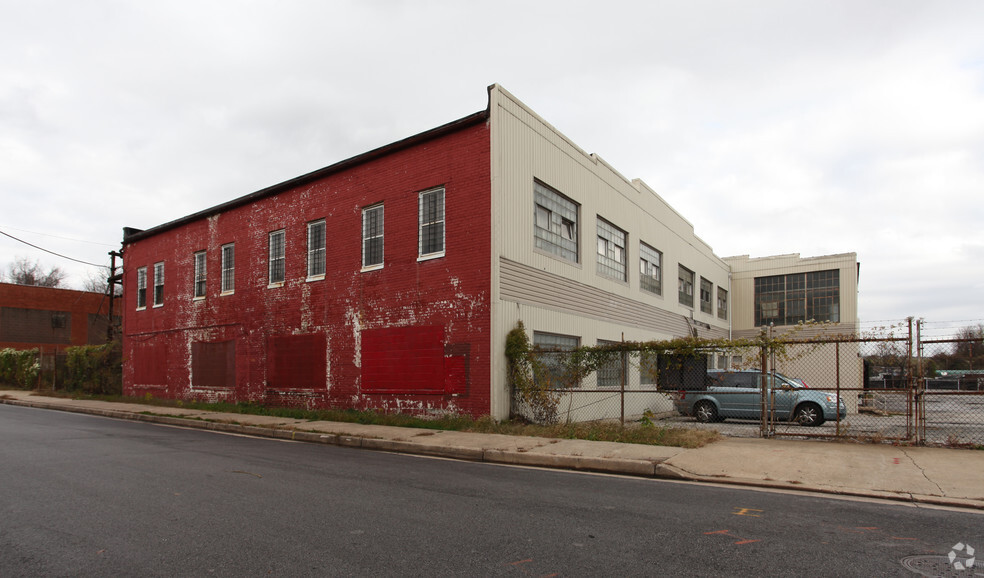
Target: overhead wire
(51, 252)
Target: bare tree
(23, 272)
(97, 281)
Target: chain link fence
(884, 388)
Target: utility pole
(111, 283)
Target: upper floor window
(798, 297)
(228, 268)
(158, 284)
(277, 259)
(686, 286)
(431, 223)
(555, 223)
(316, 249)
(722, 303)
(706, 289)
(200, 275)
(611, 250)
(372, 237)
(141, 288)
(650, 269)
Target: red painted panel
(296, 361)
(150, 363)
(403, 360)
(213, 364)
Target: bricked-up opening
(35, 325)
(296, 361)
(403, 360)
(150, 363)
(213, 364)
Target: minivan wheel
(809, 414)
(705, 412)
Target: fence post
(837, 380)
(622, 372)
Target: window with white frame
(316, 249)
(650, 269)
(722, 303)
(158, 284)
(276, 265)
(200, 275)
(228, 268)
(685, 286)
(431, 223)
(555, 223)
(372, 237)
(141, 288)
(552, 349)
(611, 250)
(706, 291)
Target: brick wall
(49, 318)
(450, 293)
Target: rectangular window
(316, 249)
(200, 275)
(372, 237)
(686, 286)
(611, 250)
(228, 268)
(612, 372)
(431, 223)
(650, 269)
(552, 348)
(797, 298)
(141, 288)
(158, 284)
(706, 291)
(555, 223)
(722, 303)
(277, 260)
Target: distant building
(389, 280)
(51, 319)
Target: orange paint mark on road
(747, 542)
(718, 532)
(517, 563)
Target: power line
(52, 252)
(8, 227)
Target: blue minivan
(738, 394)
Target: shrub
(95, 369)
(19, 368)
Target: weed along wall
(365, 285)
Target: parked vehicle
(738, 394)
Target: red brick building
(51, 319)
(390, 280)
(334, 288)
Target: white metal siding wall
(524, 148)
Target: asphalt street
(87, 496)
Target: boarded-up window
(678, 372)
(297, 361)
(149, 364)
(403, 360)
(213, 364)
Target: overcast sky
(774, 127)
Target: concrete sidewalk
(940, 476)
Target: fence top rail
(954, 340)
(842, 339)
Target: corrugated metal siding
(524, 284)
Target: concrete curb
(621, 466)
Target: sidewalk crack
(923, 471)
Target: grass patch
(644, 432)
